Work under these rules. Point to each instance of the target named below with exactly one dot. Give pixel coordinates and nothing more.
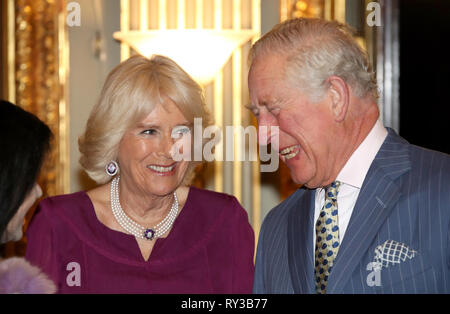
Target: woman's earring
(112, 168)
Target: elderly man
(373, 214)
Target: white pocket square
(391, 253)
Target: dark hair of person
(24, 141)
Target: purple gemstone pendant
(149, 234)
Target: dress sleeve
(41, 242)
(244, 245)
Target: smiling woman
(143, 229)
(126, 103)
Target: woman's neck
(142, 207)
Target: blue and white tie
(327, 238)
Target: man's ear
(339, 94)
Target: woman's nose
(166, 147)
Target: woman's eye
(149, 132)
(180, 131)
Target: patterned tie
(327, 237)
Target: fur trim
(19, 276)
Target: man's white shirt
(352, 177)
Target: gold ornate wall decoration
(301, 8)
(38, 76)
(327, 9)
(308, 8)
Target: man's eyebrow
(251, 106)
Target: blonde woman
(143, 229)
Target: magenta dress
(209, 249)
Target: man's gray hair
(316, 49)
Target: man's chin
(298, 180)
(303, 180)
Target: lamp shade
(200, 52)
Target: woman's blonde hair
(131, 92)
(316, 49)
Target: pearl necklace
(133, 227)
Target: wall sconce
(200, 52)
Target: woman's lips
(163, 170)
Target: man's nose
(267, 129)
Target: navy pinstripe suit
(405, 197)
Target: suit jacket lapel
(378, 196)
(300, 250)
